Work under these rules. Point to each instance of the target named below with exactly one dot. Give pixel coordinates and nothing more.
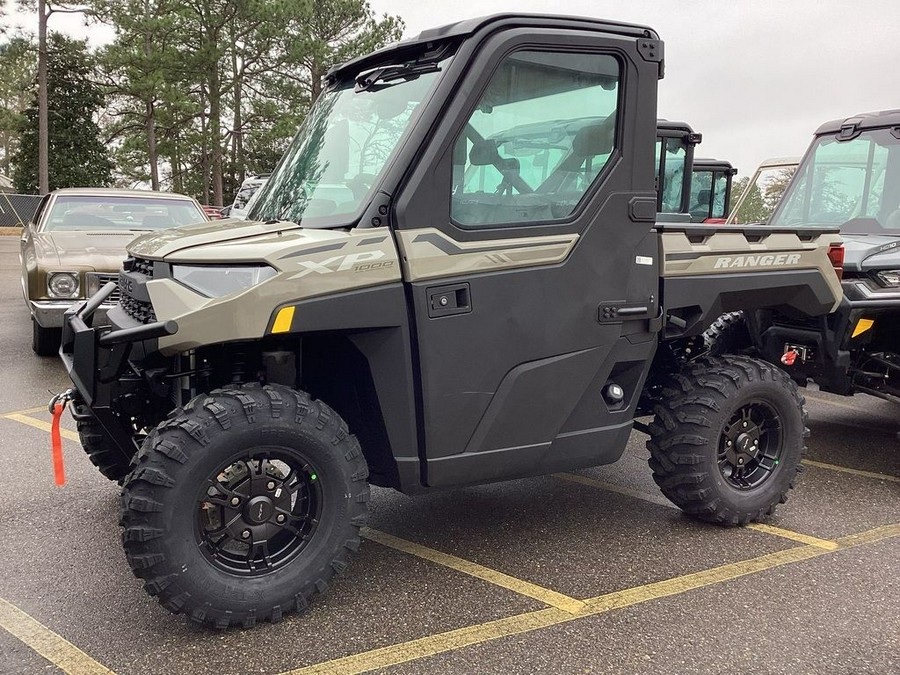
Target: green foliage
(763, 197)
(18, 64)
(78, 156)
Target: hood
(102, 251)
(163, 243)
(863, 253)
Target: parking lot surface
(572, 573)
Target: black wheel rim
(751, 445)
(257, 513)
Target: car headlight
(889, 278)
(62, 284)
(215, 281)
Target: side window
(538, 138)
(673, 180)
(720, 186)
(701, 186)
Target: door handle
(616, 312)
(448, 300)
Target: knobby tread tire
(101, 451)
(188, 438)
(728, 334)
(684, 437)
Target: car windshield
(854, 184)
(105, 212)
(242, 198)
(328, 173)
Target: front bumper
(96, 358)
(50, 313)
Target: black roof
(706, 164)
(430, 38)
(670, 128)
(871, 120)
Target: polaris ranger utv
(711, 190)
(379, 319)
(849, 178)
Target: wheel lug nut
(245, 534)
(235, 501)
(745, 424)
(740, 460)
(728, 443)
(280, 518)
(270, 485)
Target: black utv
(427, 295)
(711, 190)
(848, 178)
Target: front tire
(100, 448)
(728, 438)
(244, 505)
(44, 341)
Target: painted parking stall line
(853, 472)
(40, 424)
(547, 596)
(432, 645)
(52, 646)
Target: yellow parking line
(40, 424)
(855, 472)
(520, 586)
(53, 647)
(28, 411)
(431, 645)
(619, 489)
(827, 544)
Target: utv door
(529, 256)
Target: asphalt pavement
(589, 572)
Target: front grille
(138, 309)
(97, 280)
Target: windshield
(671, 168)
(242, 198)
(104, 212)
(328, 173)
(853, 184)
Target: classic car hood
(163, 243)
(102, 251)
(871, 252)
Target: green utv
(849, 178)
(381, 319)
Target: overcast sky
(756, 77)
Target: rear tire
(243, 505)
(100, 449)
(727, 439)
(728, 334)
(45, 341)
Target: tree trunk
(215, 127)
(43, 128)
(152, 154)
(204, 147)
(238, 140)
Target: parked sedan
(75, 243)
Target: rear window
(71, 212)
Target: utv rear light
(836, 256)
(715, 221)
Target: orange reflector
(862, 326)
(284, 320)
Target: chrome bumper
(50, 313)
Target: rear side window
(539, 136)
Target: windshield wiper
(389, 75)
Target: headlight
(214, 281)
(62, 284)
(889, 278)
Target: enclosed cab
(675, 143)
(848, 178)
(710, 190)
(455, 275)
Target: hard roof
(706, 163)
(870, 120)
(664, 125)
(428, 38)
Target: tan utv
(389, 316)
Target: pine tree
(78, 157)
